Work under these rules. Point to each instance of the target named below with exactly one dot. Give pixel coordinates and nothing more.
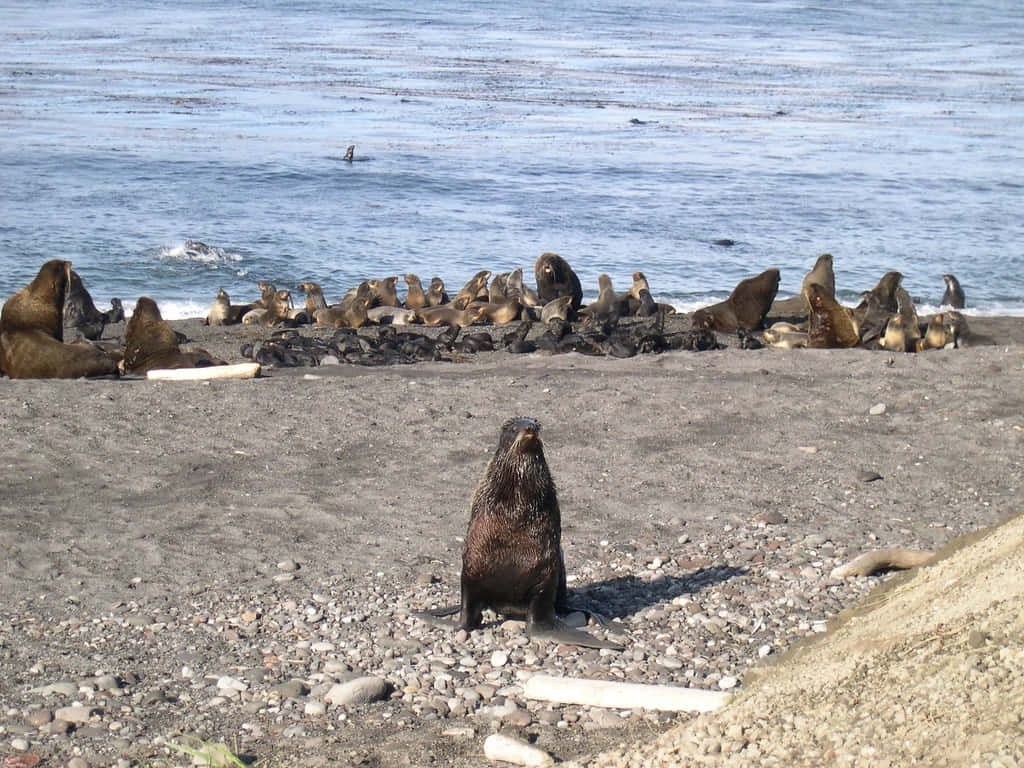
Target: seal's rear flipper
(562, 633)
(437, 616)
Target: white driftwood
(237, 371)
(507, 749)
(882, 560)
(603, 693)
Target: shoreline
(282, 529)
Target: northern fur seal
(829, 324)
(315, 300)
(954, 295)
(436, 294)
(555, 278)
(449, 315)
(81, 315)
(746, 307)
(150, 343)
(512, 559)
(475, 287)
(823, 274)
(415, 298)
(32, 332)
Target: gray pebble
(362, 690)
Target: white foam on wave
(197, 251)
(173, 309)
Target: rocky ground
(200, 563)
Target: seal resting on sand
(150, 343)
(746, 307)
(512, 559)
(32, 332)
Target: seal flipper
(560, 632)
(438, 616)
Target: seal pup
(954, 295)
(219, 310)
(512, 560)
(829, 324)
(555, 278)
(937, 335)
(351, 312)
(499, 312)
(607, 304)
(556, 309)
(315, 300)
(746, 307)
(823, 274)
(907, 310)
(896, 337)
(436, 294)
(515, 287)
(391, 315)
(415, 298)
(385, 292)
(496, 291)
(151, 343)
(32, 332)
(449, 315)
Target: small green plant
(210, 755)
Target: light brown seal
(450, 315)
(315, 300)
(823, 274)
(436, 294)
(473, 289)
(415, 298)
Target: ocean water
(889, 133)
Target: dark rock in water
(725, 242)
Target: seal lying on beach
(512, 559)
(150, 343)
(32, 332)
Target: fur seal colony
(512, 561)
(550, 320)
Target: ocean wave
(198, 251)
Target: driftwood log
(883, 560)
(237, 371)
(614, 695)
(508, 749)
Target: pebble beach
(189, 564)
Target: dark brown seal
(746, 307)
(555, 278)
(512, 558)
(823, 274)
(829, 324)
(81, 315)
(150, 343)
(954, 295)
(32, 332)
(436, 294)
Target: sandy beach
(205, 560)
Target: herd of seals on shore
(33, 321)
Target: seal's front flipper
(560, 632)
(590, 615)
(437, 617)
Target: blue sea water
(622, 136)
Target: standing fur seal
(436, 294)
(954, 295)
(746, 307)
(512, 559)
(32, 332)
